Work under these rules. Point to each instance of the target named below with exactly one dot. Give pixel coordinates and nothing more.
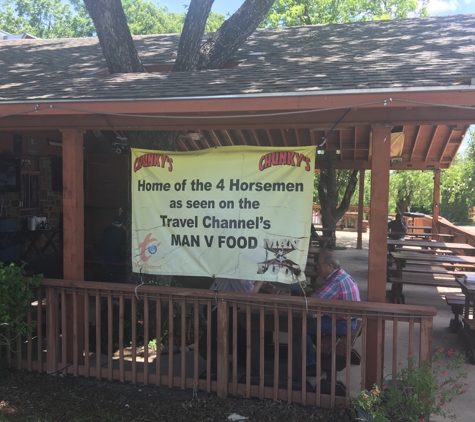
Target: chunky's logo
(148, 247)
(284, 158)
(153, 160)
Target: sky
(435, 7)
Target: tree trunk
(114, 36)
(331, 211)
(222, 45)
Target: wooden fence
(227, 343)
(446, 227)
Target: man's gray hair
(330, 258)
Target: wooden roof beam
(447, 140)
(416, 141)
(431, 143)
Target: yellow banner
(232, 212)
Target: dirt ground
(28, 396)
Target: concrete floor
(355, 262)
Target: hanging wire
(324, 138)
(141, 284)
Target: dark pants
(326, 329)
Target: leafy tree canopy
(69, 18)
(458, 187)
(312, 12)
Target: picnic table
(410, 236)
(399, 277)
(467, 332)
(431, 245)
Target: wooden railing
(102, 330)
(446, 227)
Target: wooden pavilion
(345, 88)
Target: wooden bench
(418, 279)
(340, 362)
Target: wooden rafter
(416, 141)
(256, 137)
(271, 141)
(431, 143)
(446, 143)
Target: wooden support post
(73, 232)
(223, 352)
(436, 201)
(359, 240)
(377, 262)
(425, 346)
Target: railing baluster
(303, 358)
(261, 353)
(276, 353)
(171, 341)
(75, 333)
(134, 338)
(333, 362)
(317, 326)
(146, 326)
(248, 350)
(86, 334)
(110, 334)
(196, 336)
(51, 338)
(158, 336)
(410, 350)
(65, 299)
(29, 340)
(223, 350)
(348, 355)
(395, 357)
(121, 339)
(183, 345)
(98, 337)
(380, 351)
(235, 348)
(290, 359)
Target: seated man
(398, 227)
(338, 285)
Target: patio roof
(285, 87)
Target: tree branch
(114, 36)
(221, 46)
(190, 40)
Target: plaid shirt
(339, 285)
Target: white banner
(232, 212)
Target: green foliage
(15, 295)
(69, 18)
(45, 18)
(458, 187)
(411, 189)
(419, 392)
(312, 12)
